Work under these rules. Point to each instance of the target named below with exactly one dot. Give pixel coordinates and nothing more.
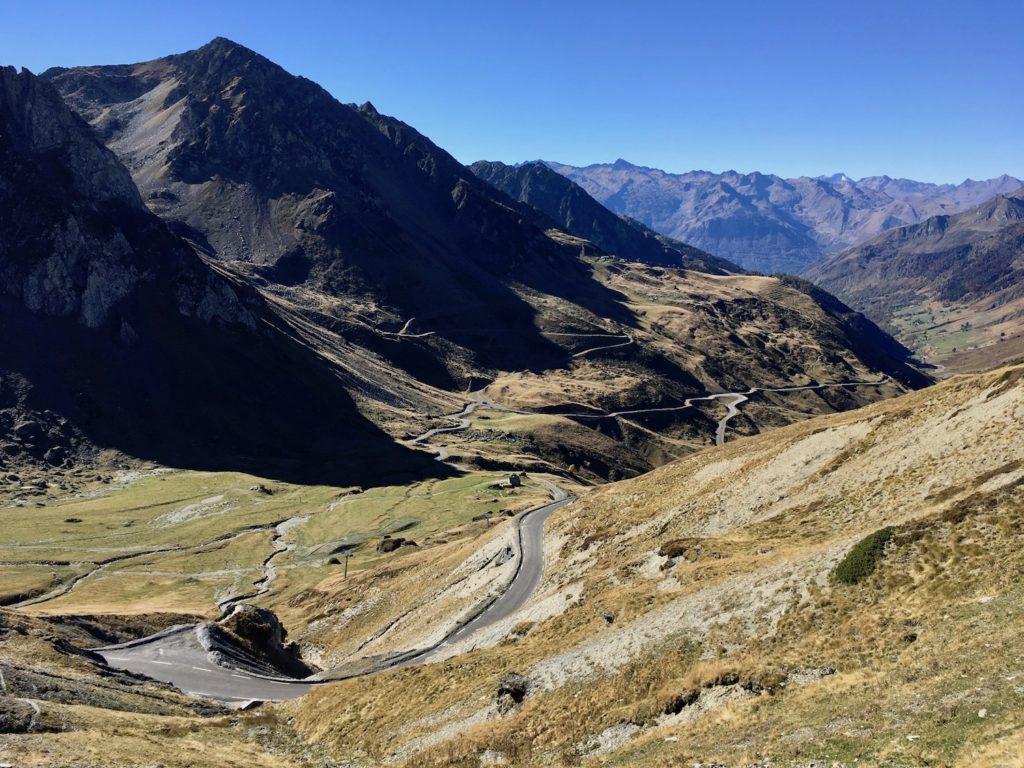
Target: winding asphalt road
(731, 400)
(179, 657)
(732, 405)
(741, 397)
(529, 572)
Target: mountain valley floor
(693, 614)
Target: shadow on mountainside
(269, 169)
(188, 395)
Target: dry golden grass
(692, 604)
(735, 624)
(101, 738)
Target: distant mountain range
(575, 211)
(951, 284)
(767, 223)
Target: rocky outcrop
(254, 639)
(389, 544)
(512, 691)
(16, 715)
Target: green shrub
(862, 559)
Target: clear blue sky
(928, 90)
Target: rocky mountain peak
(1003, 207)
(113, 322)
(226, 54)
(227, 46)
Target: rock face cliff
(771, 224)
(77, 241)
(116, 334)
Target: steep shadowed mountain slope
(767, 223)
(267, 169)
(114, 334)
(578, 213)
(946, 285)
(419, 280)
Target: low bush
(862, 559)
